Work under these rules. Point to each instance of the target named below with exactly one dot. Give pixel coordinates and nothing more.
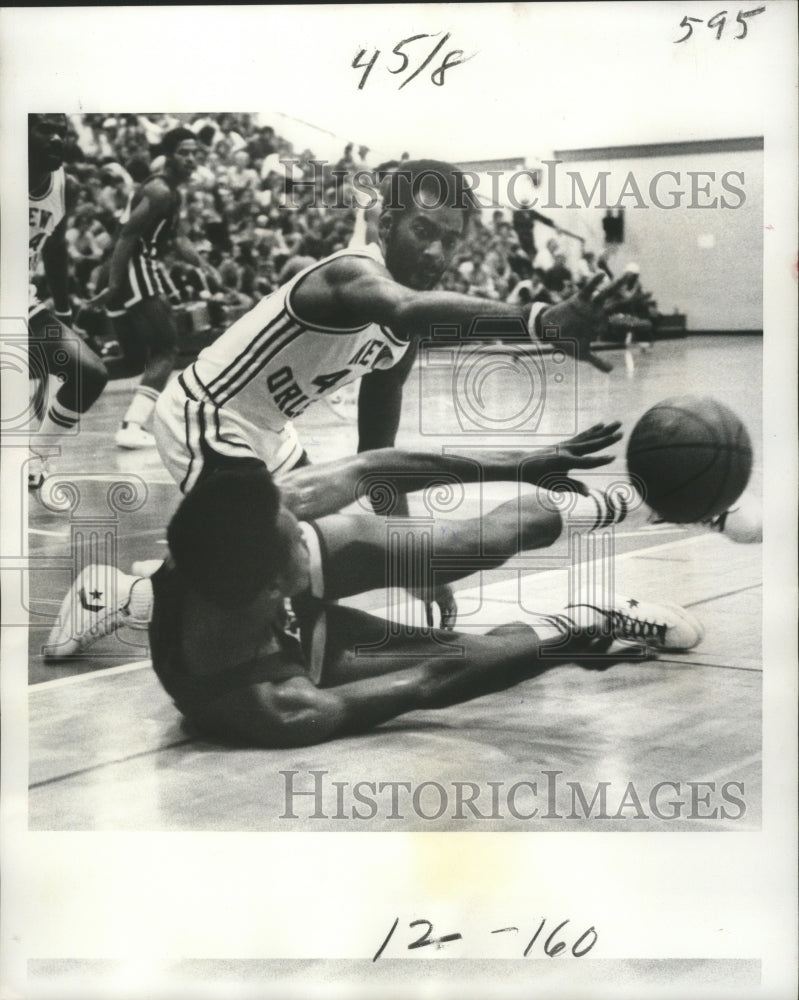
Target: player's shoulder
(158, 191)
(351, 265)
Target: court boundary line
(121, 668)
(110, 763)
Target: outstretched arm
(316, 490)
(296, 713)
(352, 291)
(56, 259)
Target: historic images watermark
(546, 796)
(548, 185)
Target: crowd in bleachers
(254, 217)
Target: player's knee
(94, 376)
(83, 386)
(164, 352)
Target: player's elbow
(303, 717)
(274, 716)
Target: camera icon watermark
(494, 380)
(35, 363)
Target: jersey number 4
(325, 382)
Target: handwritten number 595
(718, 21)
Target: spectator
(497, 266)
(153, 131)
(545, 259)
(261, 145)
(107, 138)
(604, 259)
(247, 209)
(586, 268)
(87, 242)
(531, 290)
(558, 278)
(478, 278)
(240, 174)
(524, 220)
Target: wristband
(64, 316)
(534, 319)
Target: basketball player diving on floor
(358, 314)
(54, 349)
(216, 606)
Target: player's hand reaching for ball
(550, 466)
(583, 317)
(580, 449)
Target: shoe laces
(637, 628)
(563, 623)
(627, 626)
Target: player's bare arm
(155, 204)
(355, 290)
(314, 491)
(186, 250)
(55, 257)
(297, 713)
(380, 403)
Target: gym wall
(700, 258)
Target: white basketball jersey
(272, 364)
(44, 214)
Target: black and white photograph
(399, 501)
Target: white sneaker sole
(81, 623)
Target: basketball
(693, 457)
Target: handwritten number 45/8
(453, 58)
(718, 21)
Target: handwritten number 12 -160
(452, 58)
(551, 944)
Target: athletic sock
(601, 509)
(140, 602)
(141, 406)
(57, 420)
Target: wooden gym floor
(107, 750)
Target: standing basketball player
(54, 349)
(136, 297)
(359, 312)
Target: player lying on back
(237, 550)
